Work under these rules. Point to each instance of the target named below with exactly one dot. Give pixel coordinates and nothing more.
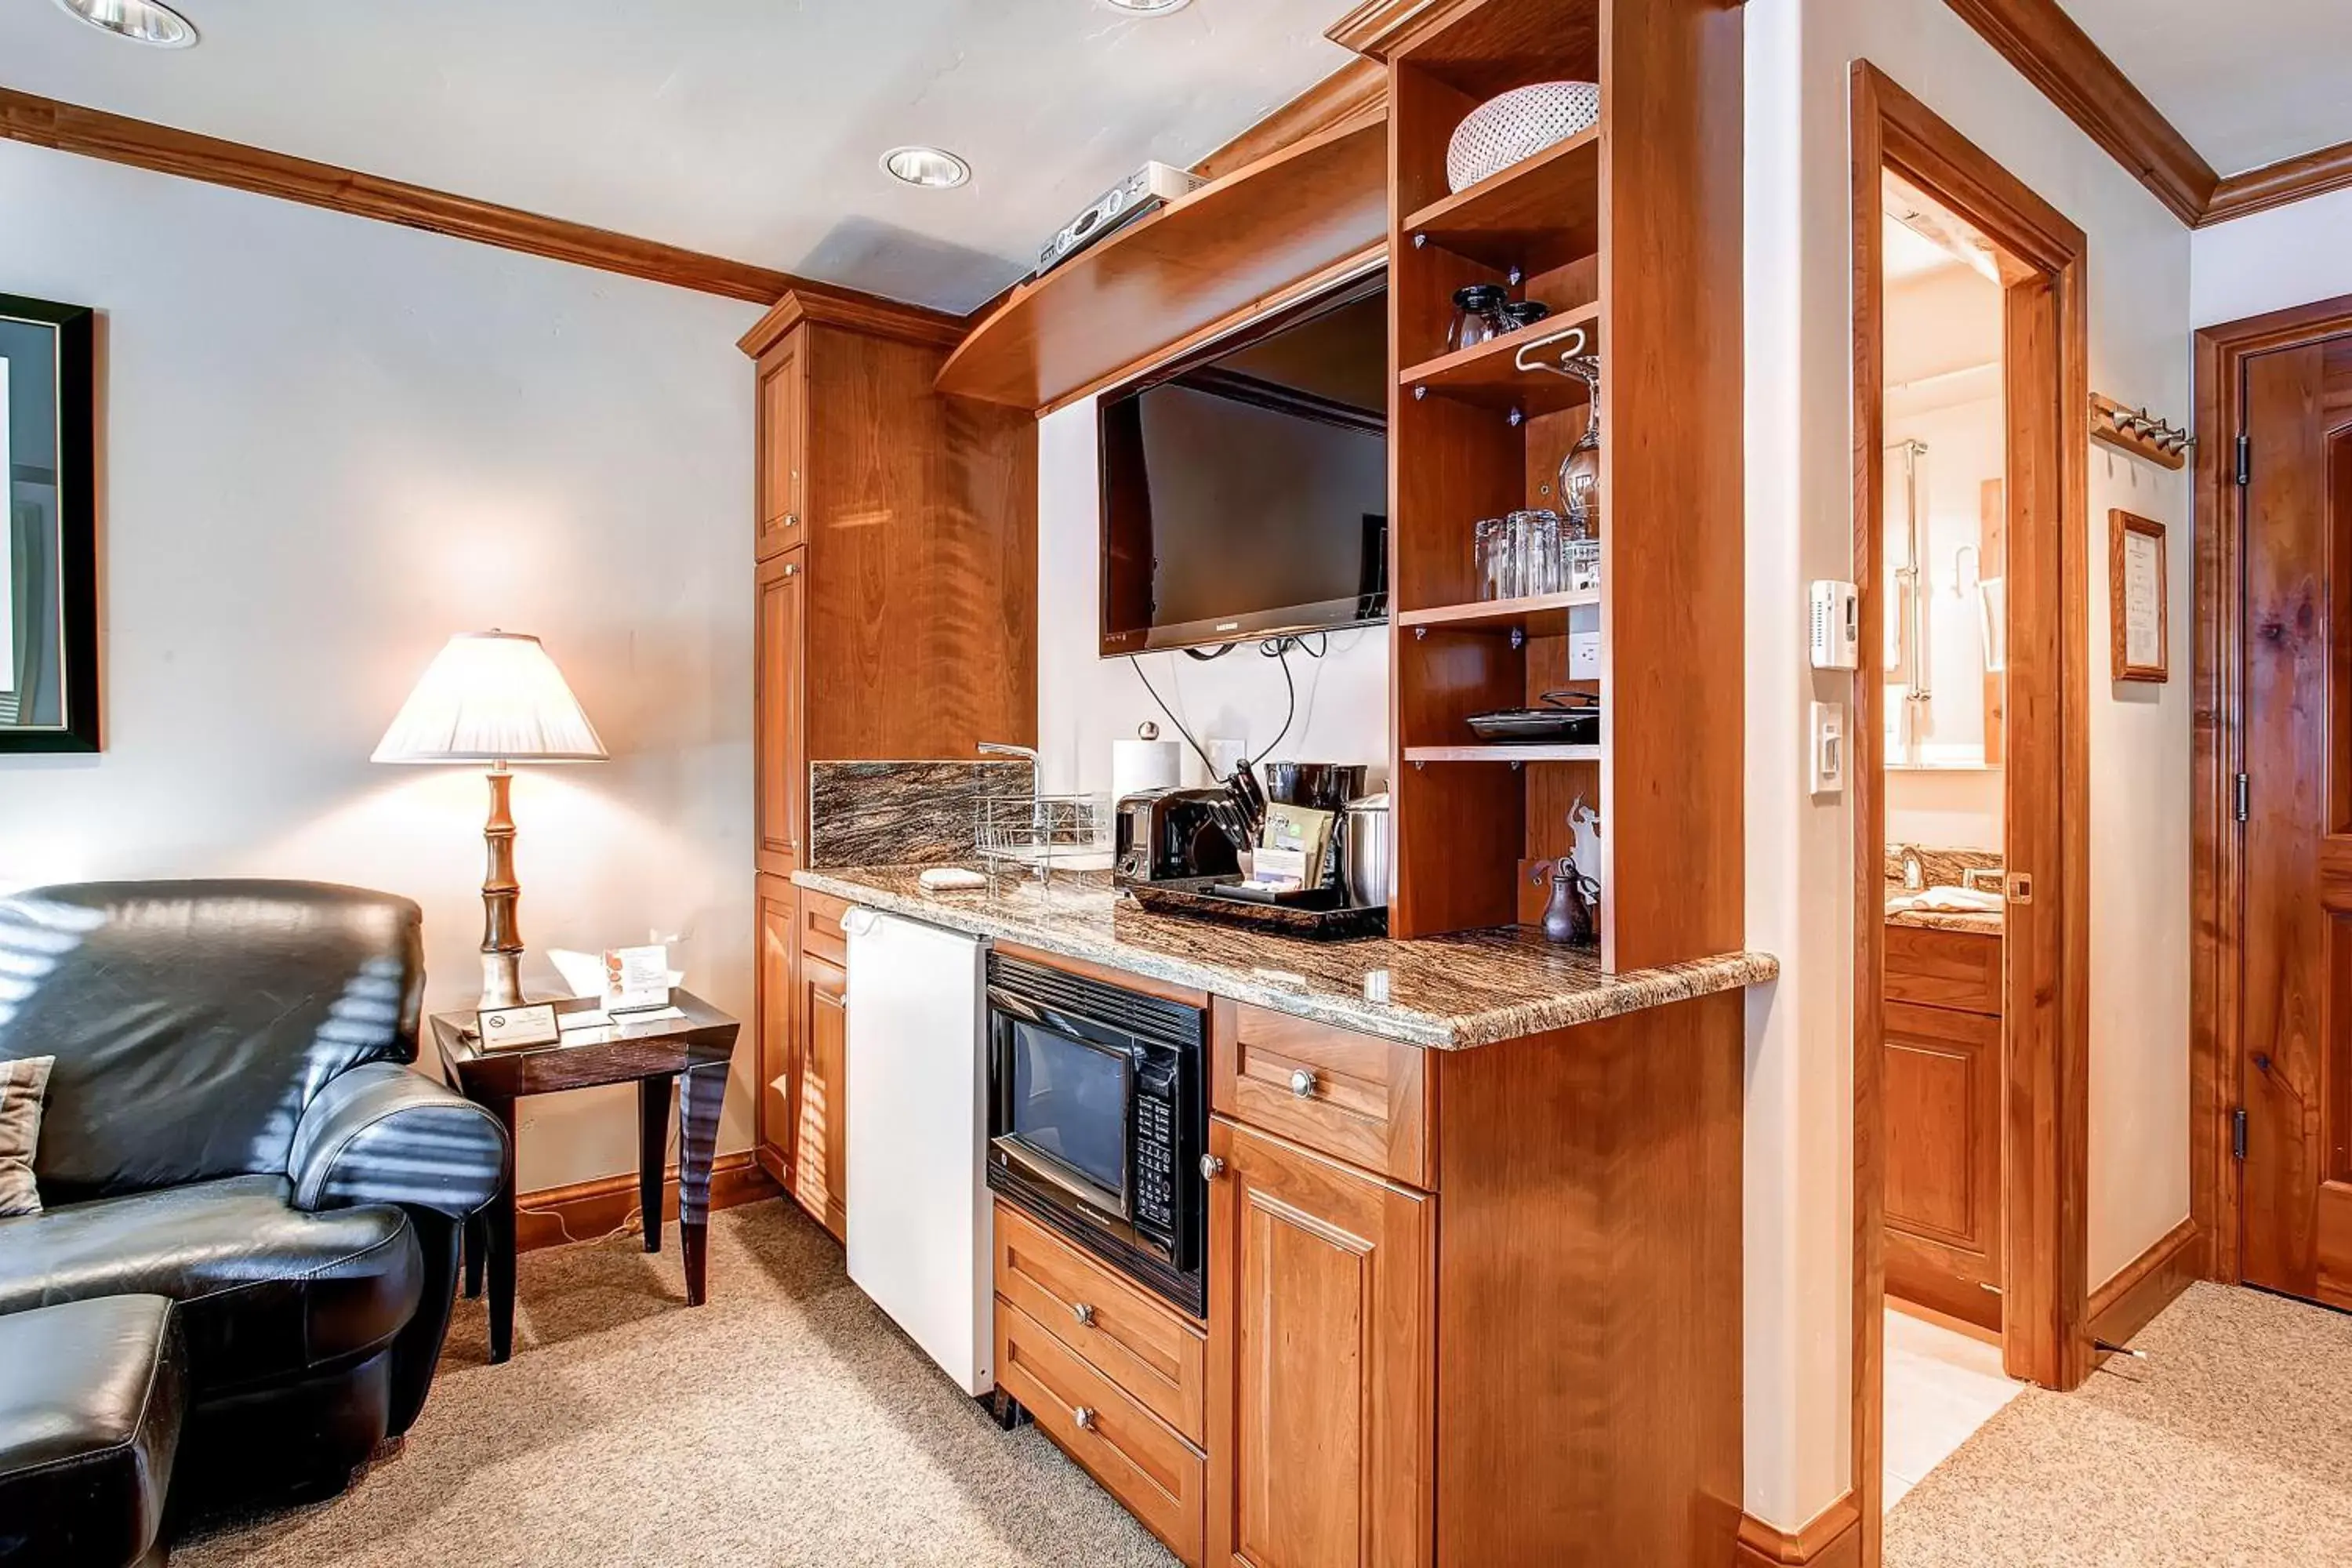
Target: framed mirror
(48, 528)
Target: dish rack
(1037, 835)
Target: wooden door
(2296, 1071)
(780, 747)
(1320, 1349)
(1940, 1086)
(784, 447)
(820, 1163)
(778, 996)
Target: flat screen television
(1246, 490)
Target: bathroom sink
(1946, 901)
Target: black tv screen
(1245, 493)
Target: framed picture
(48, 528)
(2135, 597)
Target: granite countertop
(1979, 923)
(1447, 992)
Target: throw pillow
(22, 1084)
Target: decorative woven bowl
(1520, 124)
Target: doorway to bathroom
(1969, 751)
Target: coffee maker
(1165, 835)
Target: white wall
(2291, 254)
(1085, 702)
(327, 444)
(1799, 440)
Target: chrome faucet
(1915, 873)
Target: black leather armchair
(232, 1123)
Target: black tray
(1192, 898)
(1538, 726)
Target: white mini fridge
(919, 1238)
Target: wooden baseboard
(1833, 1540)
(586, 1210)
(2147, 1284)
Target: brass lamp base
(502, 937)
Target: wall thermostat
(1836, 632)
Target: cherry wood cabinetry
(1941, 1087)
(895, 552)
(1322, 1314)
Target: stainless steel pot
(1368, 850)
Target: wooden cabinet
(1321, 1345)
(1942, 1067)
(1345, 1094)
(780, 764)
(778, 1001)
(819, 1125)
(783, 446)
(895, 573)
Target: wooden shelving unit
(1488, 374)
(1542, 615)
(1237, 244)
(1635, 239)
(1537, 215)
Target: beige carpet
(2231, 1444)
(786, 1421)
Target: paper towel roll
(1139, 765)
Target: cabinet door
(1943, 1078)
(820, 1163)
(778, 938)
(783, 446)
(779, 741)
(1320, 1357)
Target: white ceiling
(2248, 83)
(748, 129)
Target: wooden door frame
(2046, 1111)
(2217, 852)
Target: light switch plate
(1828, 749)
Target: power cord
(1275, 648)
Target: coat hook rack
(2139, 432)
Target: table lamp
(493, 697)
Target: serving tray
(1190, 897)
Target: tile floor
(1941, 1385)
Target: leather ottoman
(90, 1397)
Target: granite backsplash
(903, 813)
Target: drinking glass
(1536, 543)
(1491, 558)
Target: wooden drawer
(1955, 969)
(1354, 1097)
(1159, 1477)
(1143, 1345)
(821, 931)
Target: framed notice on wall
(2135, 597)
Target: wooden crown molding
(853, 312)
(1381, 27)
(94, 133)
(2276, 184)
(2050, 51)
(1833, 1540)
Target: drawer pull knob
(1302, 1083)
(1084, 1417)
(792, 520)
(1084, 1313)
(1212, 1167)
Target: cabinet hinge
(2238, 1133)
(2244, 792)
(2245, 459)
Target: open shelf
(1540, 615)
(1488, 373)
(1237, 243)
(1538, 214)
(1501, 753)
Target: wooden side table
(692, 1052)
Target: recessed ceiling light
(141, 21)
(1146, 8)
(926, 167)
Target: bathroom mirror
(49, 536)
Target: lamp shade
(491, 696)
